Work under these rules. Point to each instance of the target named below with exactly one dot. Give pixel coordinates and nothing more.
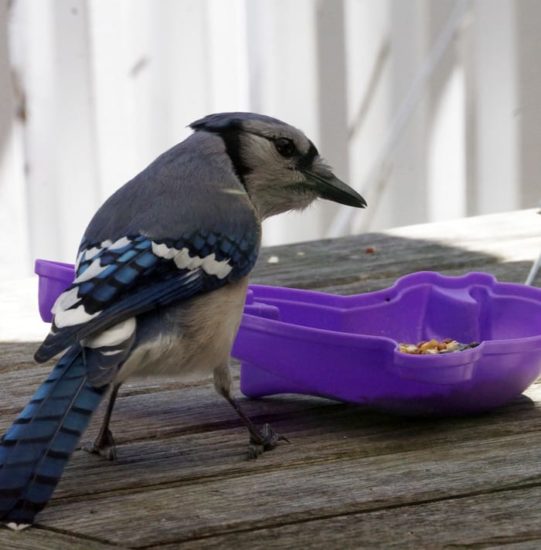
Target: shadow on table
(364, 263)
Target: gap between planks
(414, 526)
(319, 435)
(307, 491)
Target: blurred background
(429, 108)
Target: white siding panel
(411, 102)
(498, 173)
(14, 241)
(59, 131)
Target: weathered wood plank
(17, 355)
(336, 487)
(353, 270)
(506, 519)
(503, 244)
(151, 426)
(45, 539)
(346, 432)
(181, 474)
(317, 434)
(160, 409)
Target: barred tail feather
(35, 450)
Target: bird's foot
(104, 446)
(263, 440)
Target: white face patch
(113, 336)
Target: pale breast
(193, 339)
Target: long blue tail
(35, 450)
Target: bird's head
(278, 165)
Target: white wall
(430, 108)
(14, 238)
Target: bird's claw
(264, 440)
(103, 446)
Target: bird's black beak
(329, 187)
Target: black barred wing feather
(118, 280)
(35, 450)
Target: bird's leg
(104, 444)
(261, 440)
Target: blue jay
(159, 288)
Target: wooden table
(350, 478)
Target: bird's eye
(285, 147)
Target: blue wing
(122, 279)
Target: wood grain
(303, 491)
(502, 519)
(44, 539)
(350, 478)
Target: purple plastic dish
(54, 278)
(346, 347)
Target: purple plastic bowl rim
(54, 270)
(59, 270)
(273, 327)
(486, 347)
(418, 277)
